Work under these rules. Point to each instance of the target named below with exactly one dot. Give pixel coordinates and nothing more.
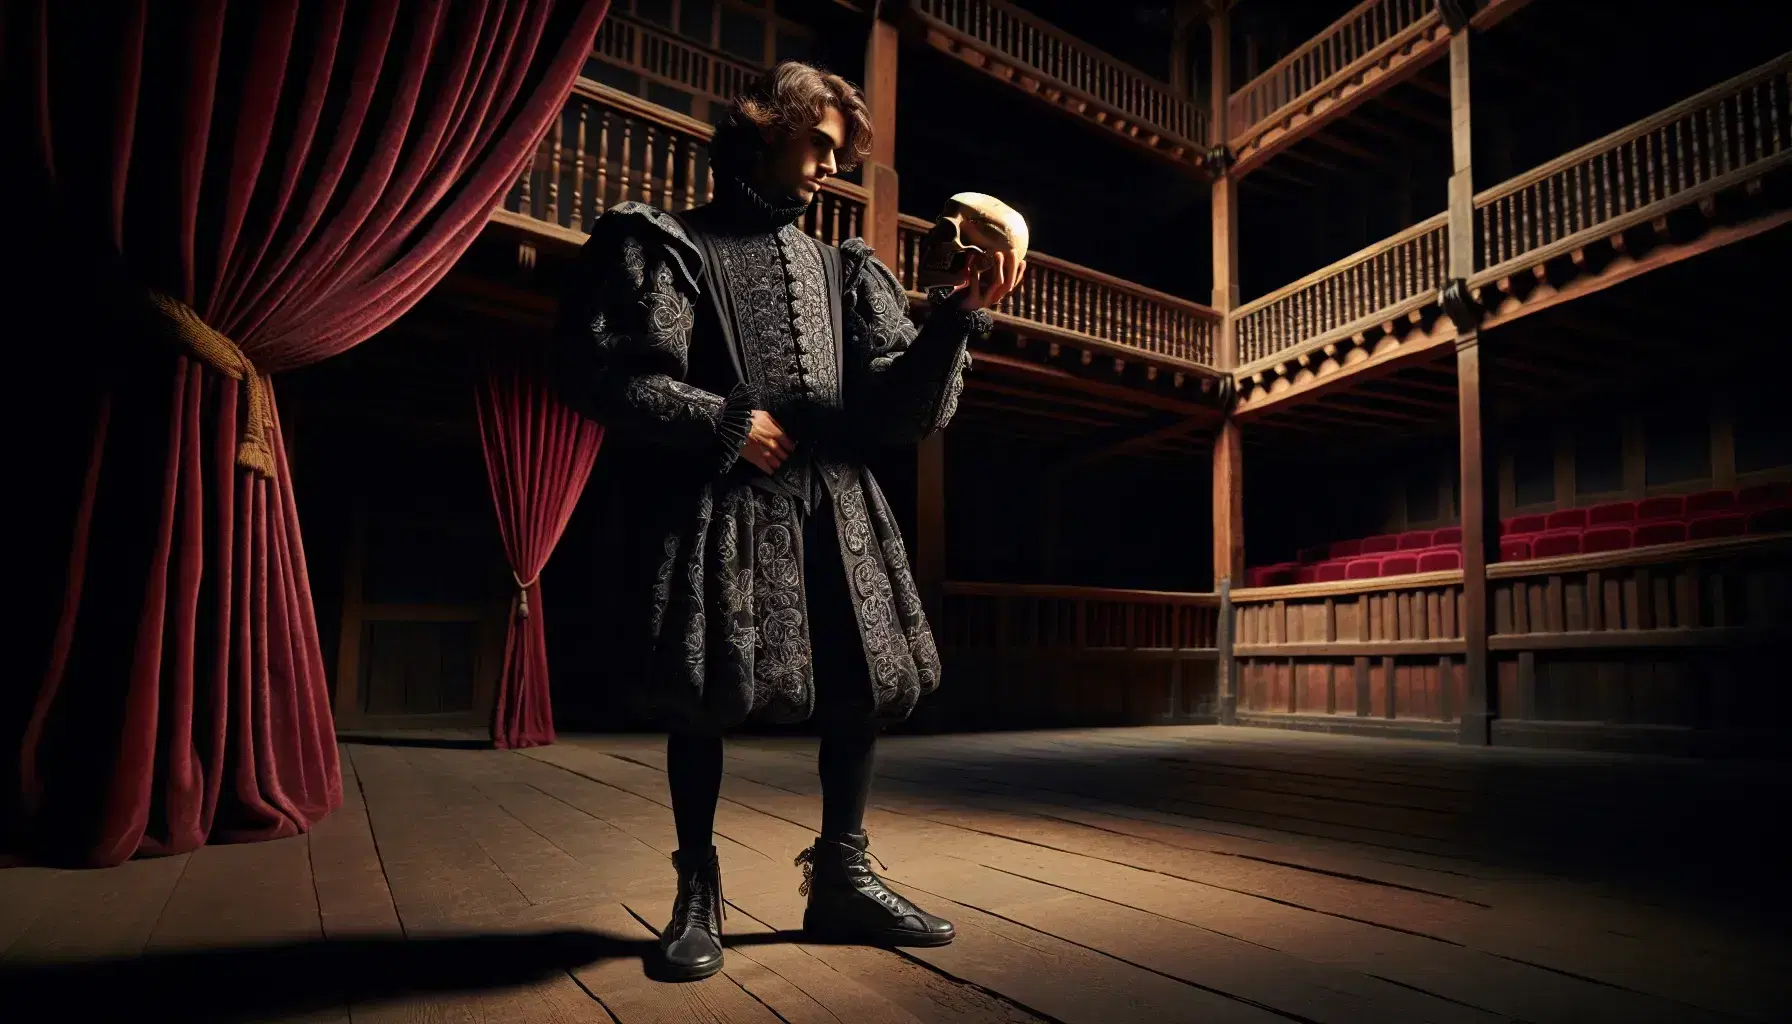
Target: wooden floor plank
(100, 913)
(353, 898)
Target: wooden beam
(1408, 110)
(1228, 505)
(1479, 484)
(881, 213)
(1028, 367)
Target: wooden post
(880, 167)
(1480, 479)
(1228, 448)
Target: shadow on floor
(289, 979)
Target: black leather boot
(691, 945)
(847, 902)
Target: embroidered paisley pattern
(782, 662)
(670, 316)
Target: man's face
(798, 164)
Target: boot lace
(703, 902)
(806, 861)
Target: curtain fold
(538, 456)
(232, 189)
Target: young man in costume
(746, 370)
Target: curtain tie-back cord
(255, 449)
(522, 593)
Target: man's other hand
(766, 446)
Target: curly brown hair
(791, 98)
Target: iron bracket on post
(1459, 305)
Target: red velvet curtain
(289, 176)
(538, 455)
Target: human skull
(969, 230)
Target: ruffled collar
(740, 207)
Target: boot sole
(672, 972)
(873, 937)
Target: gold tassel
(255, 450)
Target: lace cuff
(735, 423)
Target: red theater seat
(1449, 536)
(1515, 549)
(1415, 540)
(1555, 542)
(1330, 571)
(1381, 544)
(1312, 556)
(1671, 507)
(1771, 520)
(1565, 519)
(1717, 524)
(1776, 495)
(1710, 501)
(1400, 564)
(1362, 568)
(1660, 532)
(1307, 574)
(1520, 525)
(1616, 512)
(1440, 559)
(1278, 575)
(1346, 548)
(1605, 538)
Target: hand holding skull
(978, 245)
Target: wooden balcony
(1376, 45)
(1022, 652)
(1015, 47)
(1680, 182)
(609, 147)
(1567, 227)
(671, 60)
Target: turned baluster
(668, 157)
(526, 201)
(553, 182)
(623, 159)
(690, 173)
(600, 196)
(578, 170)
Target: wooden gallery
(1406, 368)
(1468, 438)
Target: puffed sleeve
(903, 382)
(623, 345)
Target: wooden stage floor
(1115, 875)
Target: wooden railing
(608, 147)
(1082, 304)
(1626, 644)
(1062, 62)
(1683, 154)
(1051, 617)
(661, 55)
(1379, 283)
(1371, 29)
(1019, 654)
(1370, 650)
